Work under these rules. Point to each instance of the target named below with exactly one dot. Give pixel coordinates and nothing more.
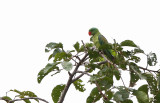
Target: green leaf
(107, 82)
(62, 55)
(93, 54)
(127, 101)
(23, 94)
(53, 45)
(76, 46)
(27, 101)
(94, 96)
(88, 45)
(158, 81)
(157, 97)
(79, 86)
(138, 50)
(152, 59)
(117, 74)
(118, 97)
(59, 45)
(135, 74)
(56, 92)
(57, 50)
(109, 94)
(67, 65)
(16, 91)
(144, 88)
(121, 95)
(50, 46)
(128, 43)
(141, 96)
(49, 68)
(152, 82)
(6, 98)
(50, 57)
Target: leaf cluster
(102, 71)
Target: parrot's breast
(96, 41)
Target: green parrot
(99, 40)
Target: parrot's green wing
(103, 41)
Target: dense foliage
(101, 72)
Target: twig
(84, 45)
(75, 61)
(149, 70)
(83, 72)
(28, 98)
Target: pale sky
(26, 26)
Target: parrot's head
(93, 31)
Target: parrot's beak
(89, 33)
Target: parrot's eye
(89, 33)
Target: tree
(101, 72)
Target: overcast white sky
(26, 26)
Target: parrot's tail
(109, 55)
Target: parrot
(99, 40)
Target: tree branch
(149, 70)
(100, 91)
(83, 72)
(11, 101)
(70, 81)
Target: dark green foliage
(56, 92)
(152, 82)
(77, 47)
(94, 96)
(141, 96)
(53, 45)
(157, 97)
(158, 81)
(23, 94)
(6, 98)
(152, 59)
(135, 74)
(49, 68)
(102, 72)
(129, 43)
(117, 74)
(93, 54)
(106, 82)
(127, 101)
(94, 62)
(78, 85)
(109, 94)
(144, 88)
(121, 95)
(62, 55)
